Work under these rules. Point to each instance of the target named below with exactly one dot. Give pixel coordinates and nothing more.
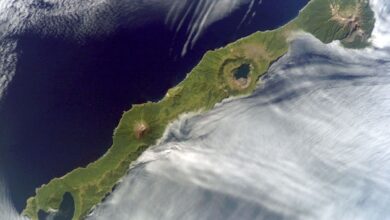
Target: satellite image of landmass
(194, 109)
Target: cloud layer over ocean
(311, 143)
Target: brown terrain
(140, 129)
(350, 19)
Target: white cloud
(7, 211)
(382, 27)
(201, 14)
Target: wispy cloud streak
(200, 15)
(7, 211)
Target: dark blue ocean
(67, 97)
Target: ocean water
(312, 142)
(69, 70)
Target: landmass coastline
(209, 83)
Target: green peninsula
(221, 73)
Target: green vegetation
(208, 83)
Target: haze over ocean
(312, 142)
(68, 73)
